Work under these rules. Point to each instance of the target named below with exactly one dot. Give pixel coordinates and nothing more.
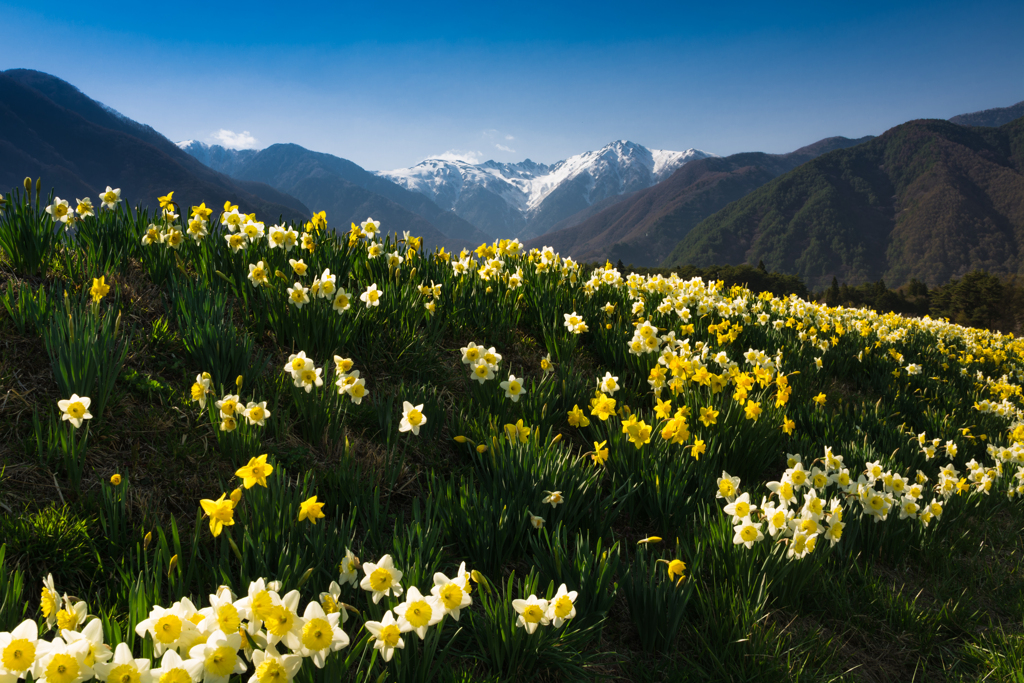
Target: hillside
(928, 199)
(991, 118)
(644, 226)
(49, 128)
(342, 188)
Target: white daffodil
(124, 668)
(454, 592)
(562, 606)
(387, 635)
(532, 612)
(381, 578)
(418, 613)
(321, 634)
(75, 409)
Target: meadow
(235, 451)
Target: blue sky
(389, 84)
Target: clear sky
(389, 84)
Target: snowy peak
(534, 196)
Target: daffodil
(298, 295)
(220, 511)
(321, 634)
(518, 432)
(59, 210)
(371, 297)
(577, 418)
(85, 208)
(18, 650)
(168, 626)
(513, 388)
(259, 274)
(819, 399)
(600, 454)
(453, 593)
(61, 663)
(174, 669)
(75, 409)
(256, 472)
(532, 612)
(387, 636)
(342, 301)
(256, 413)
(382, 578)
(124, 668)
(553, 498)
(110, 197)
(412, 418)
(311, 510)
(219, 655)
(562, 606)
(271, 667)
(349, 568)
(417, 612)
(536, 521)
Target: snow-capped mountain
(526, 199)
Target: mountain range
(642, 228)
(928, 199)
(50, 129)
(991, 118)
(527, 199)
(347, 192)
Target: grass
(891, 601)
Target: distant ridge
(928, 199)
(50, 129)
(643, 227)
(991, 118)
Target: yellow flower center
(280, 620)
(19, 655)
(262, 604)
(271, 671)
(76, 410)
(799, 477)
(167, 629)
(778, 519)
(876, 503)
(380, 580)
(357, 391)
(563, 607)
(317, 634)
(178, 675)
(48, 602)
(742, 509)
(308, 377)
(451, 596)
(418, 613)
(390, 635)
(329, 604)
(809, 525)
(67, 620)
(228, 407)
(748, 533)
(221, 662)
(256, 414)
(415, 417)
(514, 387)
(373, 295)
(298, 294)
(227, 618)
(532, 614)
(62, 669)
(726, 488)
(125, 673)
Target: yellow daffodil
(311, 510)
(256, 472)
(220, 511)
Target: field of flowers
(265, 453)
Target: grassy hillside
(343, 457)
(928, 200)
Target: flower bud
(173, 563)
(115, 480)
(28, 184)
(147, 540)
(461, 439)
